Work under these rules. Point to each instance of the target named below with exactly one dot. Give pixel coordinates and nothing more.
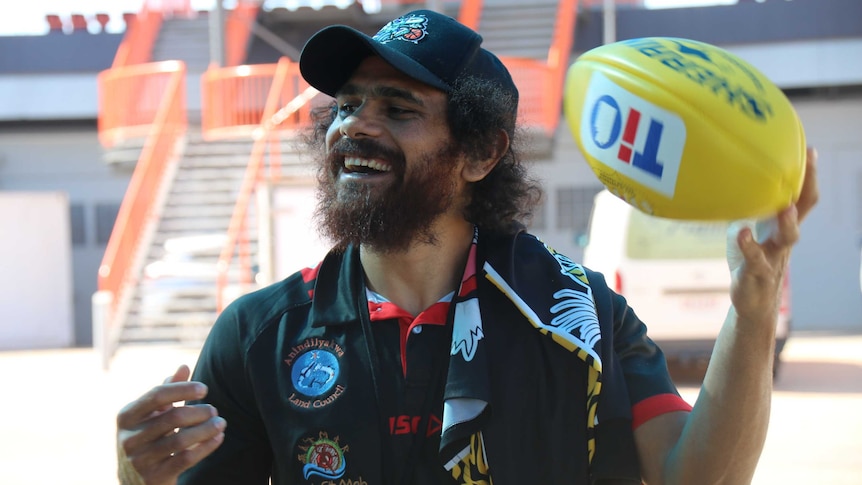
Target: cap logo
(410, 28)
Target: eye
(399, 112)
(346, 109)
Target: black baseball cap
(427, 46)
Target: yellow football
(685, 130)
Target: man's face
(389, 170)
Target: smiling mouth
(354, 165)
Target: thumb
(182, 374)
(735, 256)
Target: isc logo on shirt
(631, 135)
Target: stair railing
(140, 37)
(540, 82)
(164, 87)
(470, 13)
(558, 61)
(141, 33)
(128, 111)
(238, 28)
(234, 99)
(287, 84)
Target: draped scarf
(565, 311)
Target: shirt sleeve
(651, 390)
(245, 455)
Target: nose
(360, 123)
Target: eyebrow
(382, 92)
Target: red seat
(55, 24)
(103, 20)
(79, 22)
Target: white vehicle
(674, 275)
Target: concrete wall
(66, 158)
(36, 281)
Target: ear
(476, 170)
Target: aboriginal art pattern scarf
(564, 311)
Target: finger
(167, 447)
(164, 424)
(810, 193)
(183, 460)
(157, 398)
(182, 374)
(788, 227)
(752, 253)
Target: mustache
(364, 148)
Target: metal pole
(609, 14)
(217, 49)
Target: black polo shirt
(309, 399)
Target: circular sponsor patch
(315, 372)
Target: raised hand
(758, 267)
(157, 440)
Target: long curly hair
(477, 110)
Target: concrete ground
(58, 410)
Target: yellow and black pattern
(568, 314)
(473, 468)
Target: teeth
(363, 162)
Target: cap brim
(331, 55)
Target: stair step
(209, 173)
(187, 333)
(188, 186)
(194, 224)
(209, 210)
(220, 161)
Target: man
(438, 343)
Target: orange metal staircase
(261, 104)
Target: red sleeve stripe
(656, 405)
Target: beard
(386, 218)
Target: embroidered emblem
(411, 28)
(323, 457)
(467, 329)
(314, 371)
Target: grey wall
(67, 157)
(825, 264)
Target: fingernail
(220, 423)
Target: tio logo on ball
(631, 135)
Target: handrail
(127, 110)
(234, 99)
(540, 83)
(140, 37)
(558, 59)
(130, 98)
(238, 28)
(285, 80)
(123, 255)
(470, 13)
